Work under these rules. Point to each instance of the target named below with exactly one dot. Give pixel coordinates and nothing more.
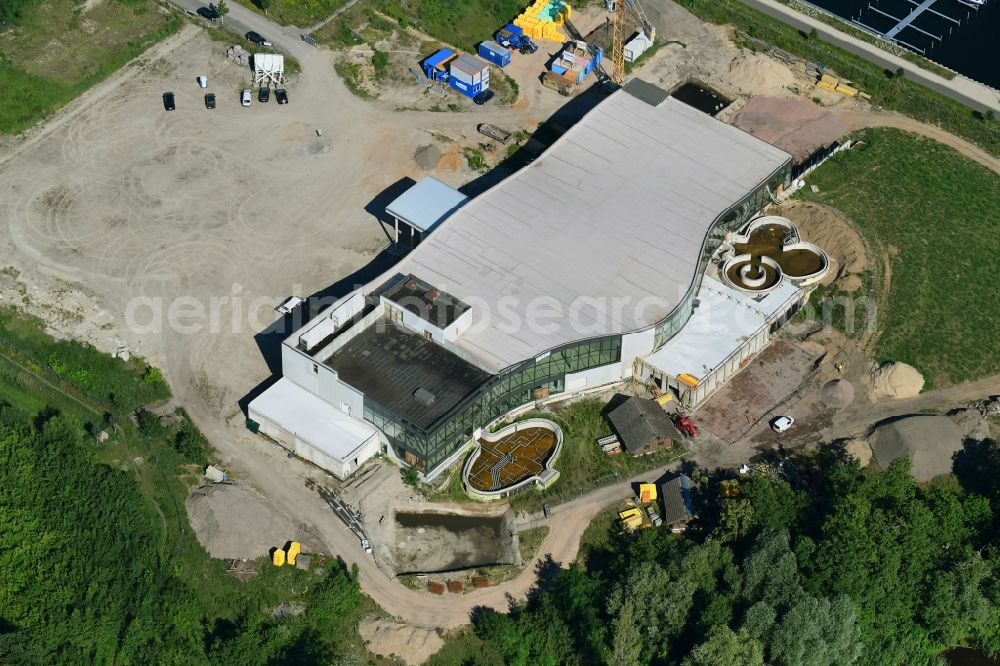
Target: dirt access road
(117, 207)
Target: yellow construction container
(647, 492)
(687, 380)
(294, 549)
(664, 399)
(845, 89)
(827, 86)
(278, 559)
(631, 519)
(826, 78)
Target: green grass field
(936, 215)
(582, 465)
(58, 51)
(301, 13)
(166, 601)
(461, 24)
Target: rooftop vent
(424, 397)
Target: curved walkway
(861, 119)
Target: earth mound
(929, 441)
(895, 381)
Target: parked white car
(782, 423)
(245, 97)
(365, 546)
(289, 304)
(202, 81)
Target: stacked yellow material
(536, 23)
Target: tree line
(850, 566)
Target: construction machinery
(623, 11)
(684, 425)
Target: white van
(245, 98)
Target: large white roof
(617, 208)
(724, 320)
(312, 419)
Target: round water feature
(768, 250)
(513, 457)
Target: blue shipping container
(468, 89)
(492, 52)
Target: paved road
(972, 94)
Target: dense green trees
(857, 567)
(98, 562)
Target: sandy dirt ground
(115, 213)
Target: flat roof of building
(413, 377)
(426, 203)
(614, 211)
(724, 320)
(426, 301)
(312, 419)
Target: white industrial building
(595, 263)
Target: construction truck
(513, 37)
(684, 425)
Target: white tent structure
(268, 68)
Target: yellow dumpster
(688, 380)
(294, 549)
(278, 559)
(647, 492)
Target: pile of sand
(427, 157)
(895, 380)
(757, 74)
(232, 522)
(837, 393)
(389, 638)
(929, 441)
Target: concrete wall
(605, 374)
(635, 344)
(321, 381)
(339, 468)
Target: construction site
(460, 263)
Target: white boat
(975, 4)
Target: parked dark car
(257, 38)
(168, 101)
(208, 13)
(281, 96)
(483, 97)
(210, 101)
(263, 95)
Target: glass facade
(515, 386)
(518, 385)
(731, 220)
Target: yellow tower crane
(623, 10)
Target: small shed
(636, 46)
(423, 206)
(492, 52)
(469, 75)
(642, 426)
(268, 68)
(436, 65)
(678, 503)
